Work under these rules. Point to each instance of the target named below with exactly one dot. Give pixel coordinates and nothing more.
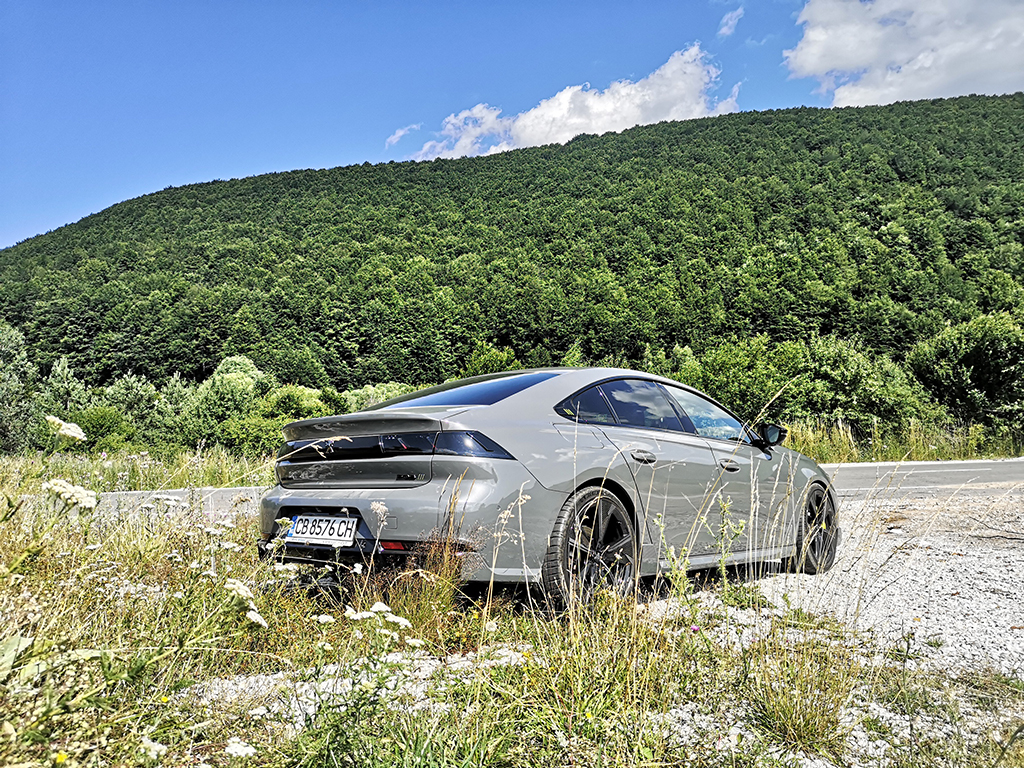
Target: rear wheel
(592, 547)
(817, 535)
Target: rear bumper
(494, 511)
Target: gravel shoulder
(949, 572)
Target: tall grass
(204, 467)
(829, 442)
(161, 638)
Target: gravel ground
(949, 571)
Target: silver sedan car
(571, 478)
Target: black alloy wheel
(817, 536)
(592, 547)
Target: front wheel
(817, 534)
(592, 547)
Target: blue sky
(104, 101)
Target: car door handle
(644, 457)
(729, 465)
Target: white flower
(491, 626)
(93, 547)
(259, 712)
(357, 634)
(65, 429)
(152, 749)
(405, 623)
(323, 645)
(415, 642)
(283, 522)
(255, 618)
(238, 748)
(237, 588)
(357, 568)
(231, 546)
(285, 567)
(72, 495)
(325, 619)
(388, 633)
(379, 608)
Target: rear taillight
(468, 443)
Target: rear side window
(588, 405)
(639, 403)
(469, 391)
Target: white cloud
(729, 22)
(882, 51)
(677, 90)
(395, 137)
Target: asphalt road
(925, 479)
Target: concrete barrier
(215, 503)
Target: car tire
(817, 534)
(593, 546)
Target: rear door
(674, 470)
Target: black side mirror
(771, 434)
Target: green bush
(975, 369)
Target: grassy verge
(836, 442)
(209, 467)
(164, 640)
(218, 467)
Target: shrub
(975, 369)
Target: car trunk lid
(378, 449)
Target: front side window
(708, 419)
(639, 403)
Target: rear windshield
(470, 392)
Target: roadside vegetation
(159, 638)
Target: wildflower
(72, 495)
(357, 569)
(323, 645)
(415, 642)
(388, 633)
(397, 620)
(65, 429)
(357, 634)
(237, 588)
(92, 547)
(238, 748)
(230, 546)
(283, 522)
(379, 607)
(285, 567)
(694, 628)
(254, 616)
(491, 626)
(325, 619)
(259, 712)
(60, 758)
(152, 749)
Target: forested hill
(881, 225)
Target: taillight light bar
(461, 443)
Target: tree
(18, 413)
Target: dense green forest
(867, 261)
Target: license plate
(314, 529)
